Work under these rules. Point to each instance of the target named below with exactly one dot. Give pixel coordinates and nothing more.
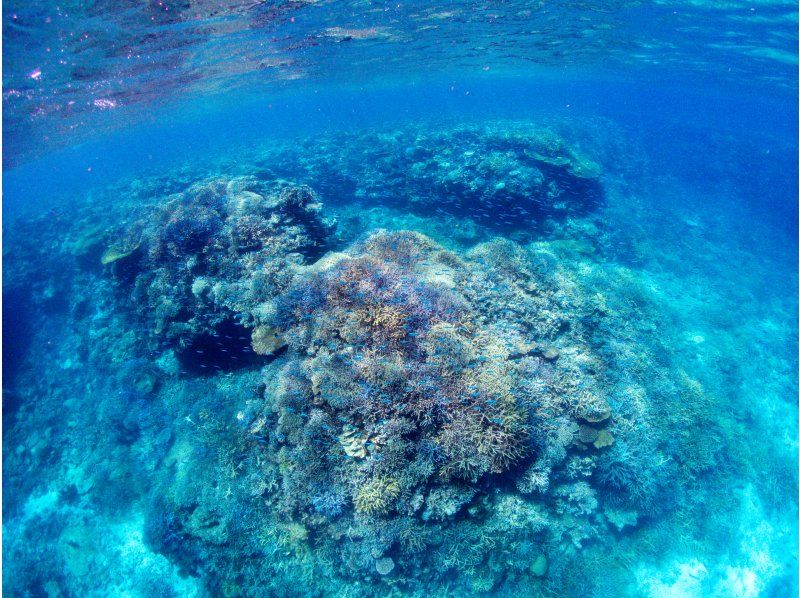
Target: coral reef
(213, 392)
(411, 383)
(502, 175)
(205, 257)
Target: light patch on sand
(695, 337)
(41, 503)
(766, 547)
(134, 558)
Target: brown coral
(266, 341)
(377, 496)
(354, 444)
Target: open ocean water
(481, 298)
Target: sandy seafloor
(203, 388)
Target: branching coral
(429, 390)
(376, 496)
(504, 176)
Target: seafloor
(502, 358)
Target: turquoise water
(365, 299)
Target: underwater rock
(539, 566)
(88, 242)
(621, 519)
(145, 382)
(501, 175)
(115, 254)
(550, 354)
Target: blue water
(366, 299)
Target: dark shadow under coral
(228, 349)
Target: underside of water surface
(318, 299)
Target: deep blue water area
(365, 299)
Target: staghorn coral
(376, 496)
(534, 480)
